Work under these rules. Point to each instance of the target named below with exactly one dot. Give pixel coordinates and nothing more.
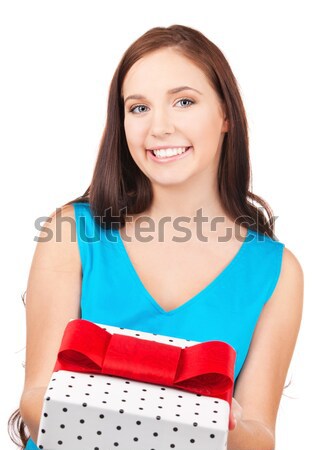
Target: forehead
(164, 69)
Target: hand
(235, 414)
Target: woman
(175, 148)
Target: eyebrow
(171, 91)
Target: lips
(168, 159)
(165, 147)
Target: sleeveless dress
(227, 309)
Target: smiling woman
(175, 144)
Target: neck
(187, 201)
(178, 206)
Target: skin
(54, 283)
(185, 118)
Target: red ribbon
(206, 368)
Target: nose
(161, 124)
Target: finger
(232, 422)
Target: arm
(261, 381)
(53, 298)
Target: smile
(169, 154)
(169, 151)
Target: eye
(138, 109)
(185, 100)
(134, 108)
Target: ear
(225, 125)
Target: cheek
(207, 128)
(135, 132)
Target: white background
(57, 60)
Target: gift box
(120, 388)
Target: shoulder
(262, 246)
(291, 264)
(289, 288)
(62, 221)
(288, 295)
(59, 215)
(69, 210)
(263, 241)
(287, 298)
(56, 242)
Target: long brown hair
(120, 187)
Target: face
(170, 106)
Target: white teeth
(163, 153)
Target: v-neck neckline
(197, 296)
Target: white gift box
(83, 411)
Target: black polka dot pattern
(102, 412)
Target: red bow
(206, 368)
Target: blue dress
(227, 309)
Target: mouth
(169, 154)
